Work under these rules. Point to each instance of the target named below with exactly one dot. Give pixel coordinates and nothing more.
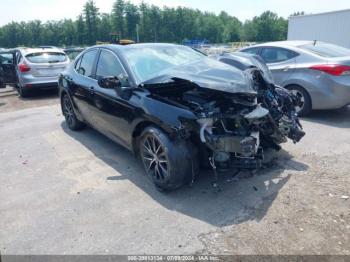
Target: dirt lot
(10, 101)
(78, 193)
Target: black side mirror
(113, 82)
(109, 82)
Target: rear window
(253, 51)
(73, 54)
(326, 50)
(46, 57)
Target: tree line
(146, 23)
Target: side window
(275, 55)
(108, 65)
(77, 64)
(6, 59)
(87, 63)
(253, 51)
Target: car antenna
(315, 41)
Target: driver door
(8, 75)
(112, 114)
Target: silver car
(30, 69)
(318, 72)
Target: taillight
(23, 68)
(336, 70)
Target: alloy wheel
(154, 158)
(68, 110)
(301, 97)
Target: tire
(72, 121)
(22, 92)
(2, 83)
(306, 106)
(170, 164)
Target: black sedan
(178, 109)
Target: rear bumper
(326, 91)
(331, 92)
(332, 96)
(29, 81)
(42, 86)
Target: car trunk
(47, 70)
(344, 60)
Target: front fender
(167, 116)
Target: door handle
(285, 69)
(91, 90)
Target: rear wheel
(69, 114)
(169, 163)
(22, 91)
(2, 83)
(304, 107)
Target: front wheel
(71, 119)
(304, 107)
(169, 163)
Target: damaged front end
(237, 136)
(233, 128)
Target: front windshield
(146, 62)
(73, 54)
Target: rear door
(47, 63)
(280, 61)
(83, 82)
(8, 74)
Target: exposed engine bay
(234, 129)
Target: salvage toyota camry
(178, 109)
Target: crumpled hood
(207, 73)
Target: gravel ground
(10, 101)
(77, 193)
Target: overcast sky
(24, 10)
